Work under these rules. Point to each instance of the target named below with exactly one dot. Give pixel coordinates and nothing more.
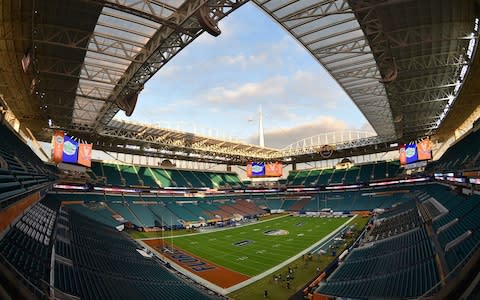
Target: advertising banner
(57, 146)
(411, 153)
(85, 155)
(70, 150)
(258, 169)
(424, 150)
(273, 170)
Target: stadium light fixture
(472, 45)
(457, 87)
(26, 60)
(450, 99)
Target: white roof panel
(330, 31)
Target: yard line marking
(211, 231)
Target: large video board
(67, 149)
(262, 169)
(416, 151)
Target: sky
(216, 85)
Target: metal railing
(35, 290)
(450, 276)
(4, 203)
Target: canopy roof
(402, 62)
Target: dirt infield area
(216, 274)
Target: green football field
(259, 251)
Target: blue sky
(219, 83)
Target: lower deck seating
(406, 283)
(404, 265)
(351, 201)
(97, 212)
(166, 217)
(106, 265)
(124, 210)
(458, 229)
(461, 251)
(182, 212)
(144, 214)
(398, 267)
(27, 245)
(402, 222)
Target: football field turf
(250, 251)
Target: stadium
(98, 203)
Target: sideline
(290, 260)
(225, 291)
(210, 231)
(184, 271)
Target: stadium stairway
(130, 175)
(351, 175)
(337, 176)
(124, 210)
(144, 214)
(182, 212)
(203, 178)
(365, 174)
(166, 217)
(298, 206)
(324, 177)
(113, 174)
(148, 178)
(162, 177)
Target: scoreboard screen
(414, 152)
(262, 169)
(66, 149)
(258, 169)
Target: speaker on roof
(207, 22)
(390, 73)
(26, 60)
(127, 103)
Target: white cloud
(170, 70)
(219, 82)
(301, 88)
(282, 137)
(244, 61)
(250, 91)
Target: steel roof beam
(149, 13)
(434, 60)
(322, 9)
(165, 44)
